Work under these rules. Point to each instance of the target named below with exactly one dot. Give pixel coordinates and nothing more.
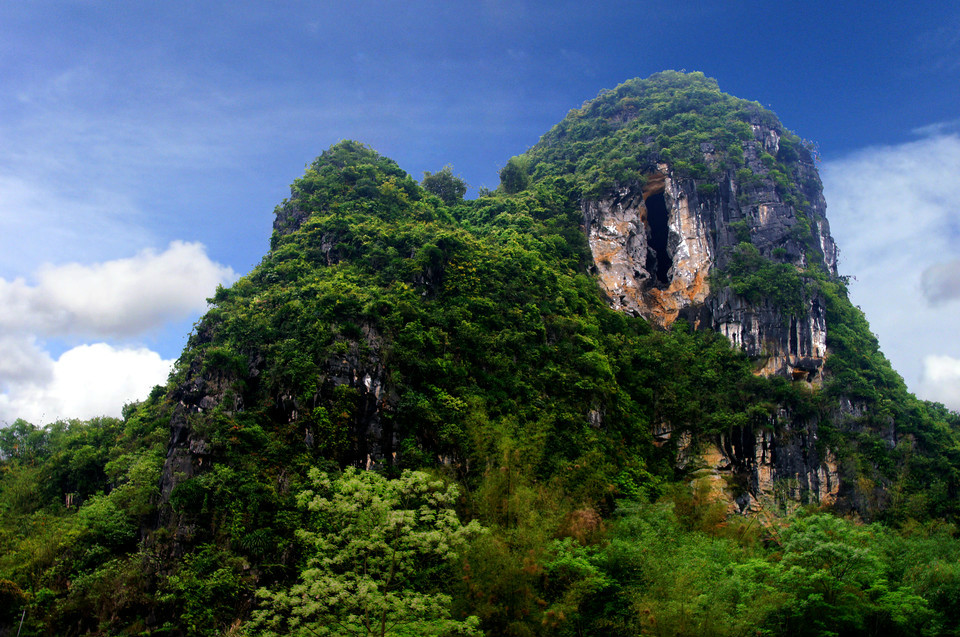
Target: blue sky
(143, 147)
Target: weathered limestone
(618, 230)
(702, 233)
(783, 460)
(778, 465)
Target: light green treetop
(379, 560)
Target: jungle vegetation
(528, 495)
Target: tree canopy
(445, 185)
(379, 557)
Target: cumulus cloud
(893, 211)
(941, 282)
(23, 362)
(86, 381)
(114, 300)
(941, 380)
(117, 298)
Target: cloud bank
(895, 213)
(941, 282)
(86, 381)
(941, 380)
(113, 301)
(117, 298)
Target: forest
(419, 415)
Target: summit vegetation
(514, 485)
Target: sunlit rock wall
(702, 233)
(704, 226)
(619, 232)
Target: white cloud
(939, 128)
(23, 362)
(86, 381)
(941, 380)
(116, 298)
(112, 300)
(894, 213)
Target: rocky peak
(709, 210)
(655, 244)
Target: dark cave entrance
(659, 261)
(794, 336)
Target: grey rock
(784, 459)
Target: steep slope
(387, 329)
(702, 206)
(650, 299)
(678, 181)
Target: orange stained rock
(664, 305)
(698, 290)
(655, 184)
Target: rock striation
(662, 278)
(671, 271)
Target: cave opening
(659, 261)
(794, 336)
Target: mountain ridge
(647, 308)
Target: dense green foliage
(73, 497)
(623, 133)
(920, 476)
(760, 280)
(681, 120)
(494, 340)
(381, 554)
(864, 399)
(516, 400)
(445, 185)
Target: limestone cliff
(387, 327)
(665, 236)
(655, 244)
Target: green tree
(445, 185)
(834, 569)
(515, 176)
(23, 441)
(379, 556)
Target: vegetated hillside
(472, 356)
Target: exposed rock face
(664, 274)
(753, 468)
(371, 441)
(289, 216)
(652, 252)
(793, 346)
(776, 467)
(190, 452)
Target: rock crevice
(655, 247)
